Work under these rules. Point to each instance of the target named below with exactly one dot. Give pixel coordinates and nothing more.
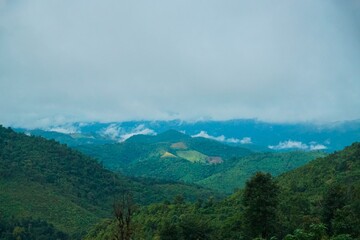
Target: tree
(316, 232)
(260, 201)
(123, 211)
(195, 228)
(169, 231)
(334, 199)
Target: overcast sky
(113, 60)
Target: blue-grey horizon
(280, 61)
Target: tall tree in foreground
(260, 200)
(123, 211)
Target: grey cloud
(120, 60)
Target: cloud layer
(290, 144)
(112, 60)
(222, 138)
(117, 133)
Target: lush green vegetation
(318, 201)
(274, 163)
(326, 190)
(28, 229)
(178, 157)
(49, 191)
(47, 180)
(171, 156)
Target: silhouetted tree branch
(123, 210)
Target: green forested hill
(320, 200)
(44, 180)
(47, 180)
(171, 155)
(274, 163)
(325, 190)
(178, 157)
(342, 167)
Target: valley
(46, 180)
(179, 120)
(182, 187)
(319, 200)
(179, 157)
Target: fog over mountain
(278, 61)
(252, 134)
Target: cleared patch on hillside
(192, 156)
(179, 145)
(215, 160)
(168, 155)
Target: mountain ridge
(178, 157)
(47, 180)
(310, 206)
(249, 133)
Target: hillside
(274, 163)
(178, 157)
(46, 180)
(328, 190)
(248, 133)
(171, 155)
(70, 139)
(320, 200)
(342, 167)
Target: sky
(113, 60)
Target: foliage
(28, 229)
(329, 189)
(300, 213)
(274, 163)
(72, 192)
(260, 201)
(334, 199)
(143, 156)
(47, 180)
(315, 232)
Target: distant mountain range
(176, 156)
(251, 134)
(170, 155)
(42, 179)
(136, 149)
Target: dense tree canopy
(260, 201)
(71, 191)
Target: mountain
(274, 163)
(248, 133)
(68, 138)
(341, 167)
(328, 190)
(320, 200)
(179, 157)
(170, 155)
(46, 180)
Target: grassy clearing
(179, 145)
(168, 155)
(192, 156)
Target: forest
(50, 191)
